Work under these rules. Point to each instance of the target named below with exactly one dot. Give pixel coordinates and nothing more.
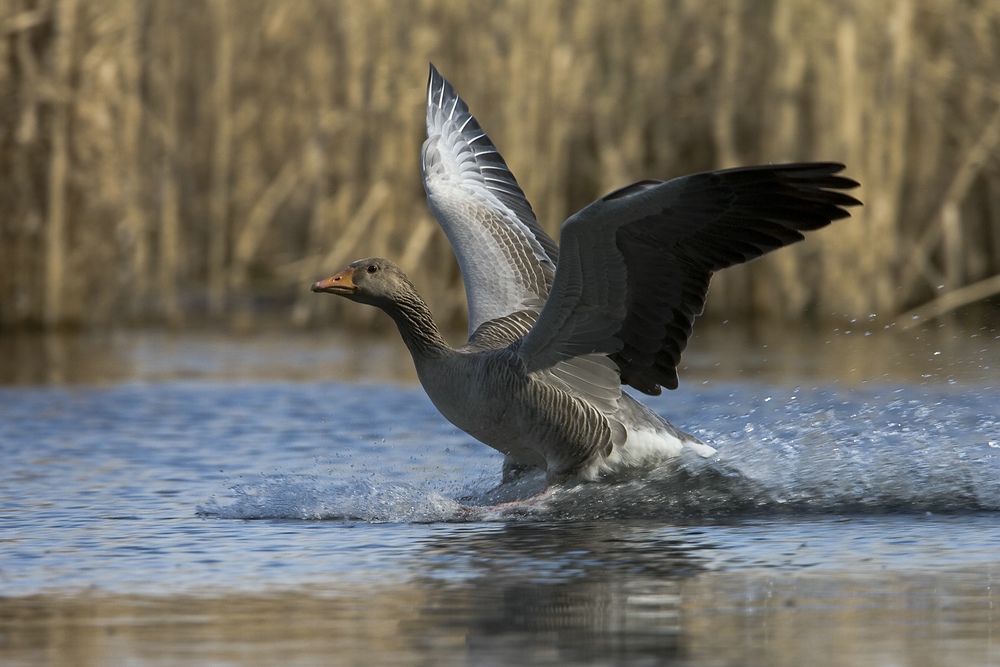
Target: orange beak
(341, 283)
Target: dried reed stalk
(55, 232)
(221, 159)
(170, 217)
(187, 161)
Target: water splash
(310, 497)
(781, 450)
(875, 451)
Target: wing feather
(507, 260)
(636, 264)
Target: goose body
(556, 330)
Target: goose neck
(416, 325)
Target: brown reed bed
(168, 162)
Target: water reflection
(585, 592)
(717, 352)
(106, 358)
(563, 552)
(540, 594)
(644, 593)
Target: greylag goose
(556, 330)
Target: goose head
(374, 281)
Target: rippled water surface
(277, 500)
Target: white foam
(309, 497)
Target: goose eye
(372, 268)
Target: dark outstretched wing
(635, 265)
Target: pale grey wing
(635, 265)
(592, 377)
(507, 261)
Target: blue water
(154, 475)
(237, 514)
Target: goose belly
(503, 410)
(536, 424)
